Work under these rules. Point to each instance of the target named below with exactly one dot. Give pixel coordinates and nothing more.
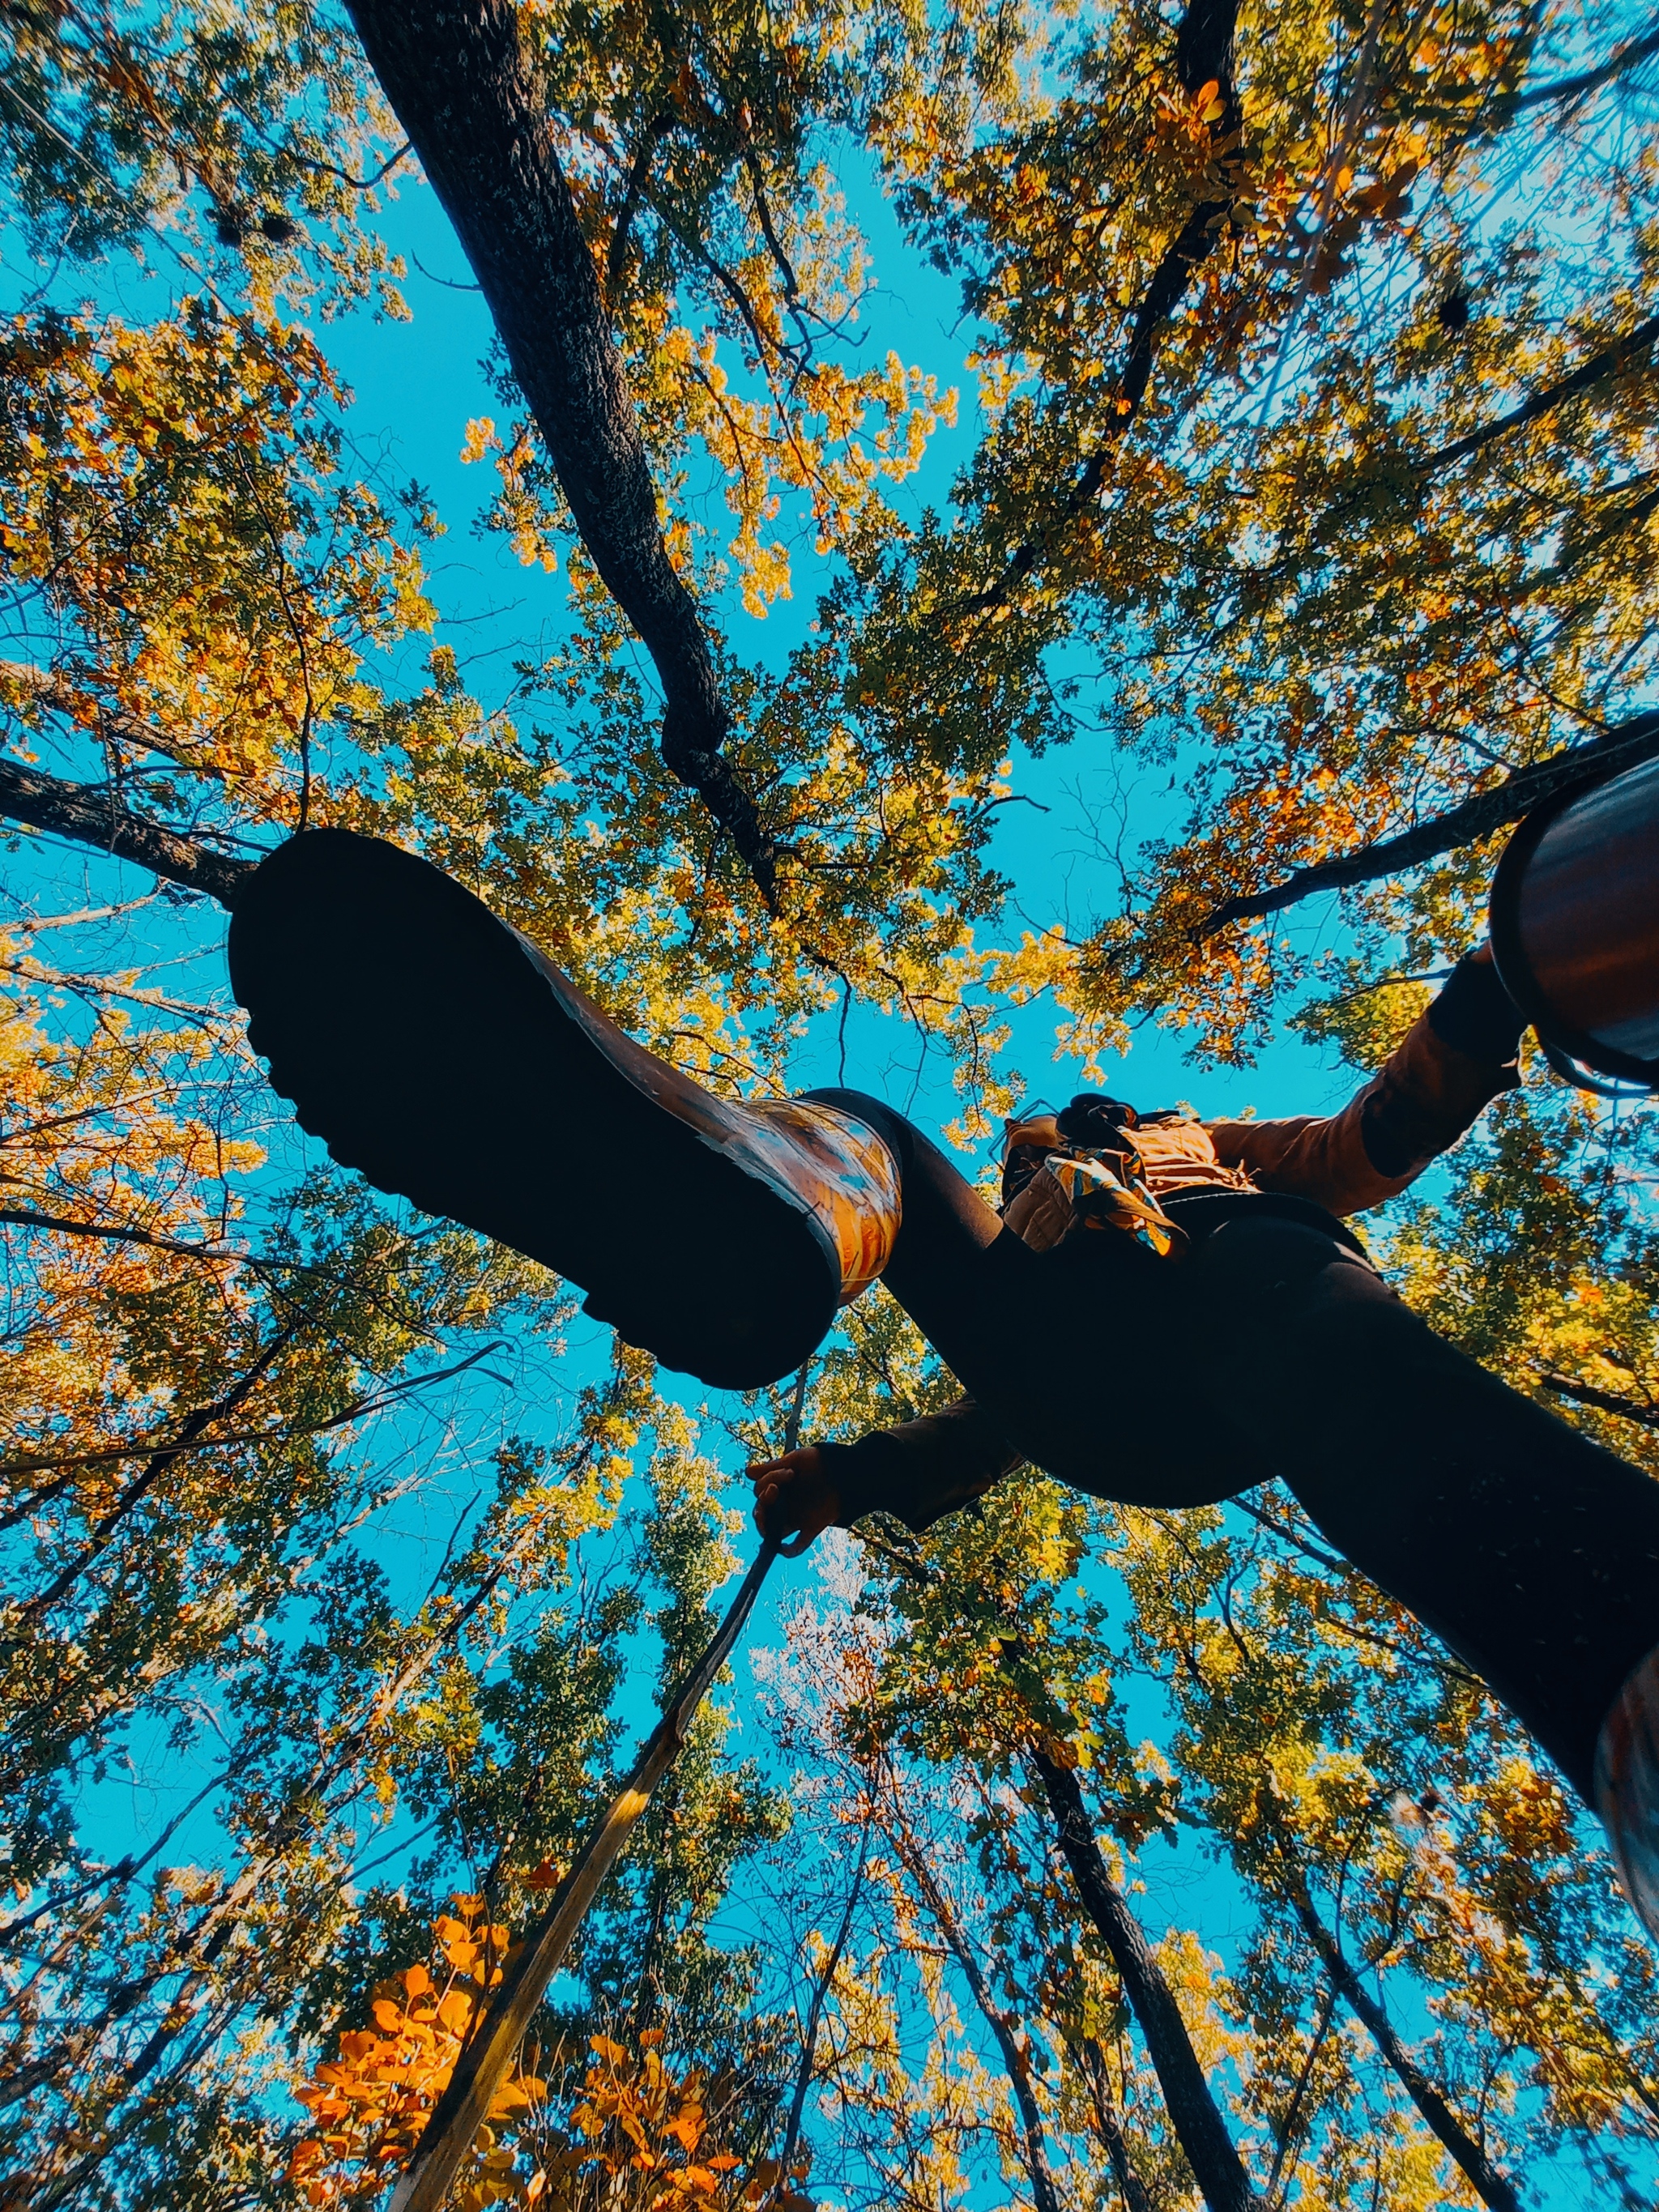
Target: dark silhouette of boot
(433, 1047)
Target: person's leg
(442, 1055)
(1529, 1550)
(1078, 1353)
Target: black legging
(1271, 1349)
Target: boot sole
(435, 1051)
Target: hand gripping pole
(532, 1964)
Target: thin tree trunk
(1194, 2112)
(1203, 55)
(1091, 2061)
(1286, 2134)
(815, 2010)
(1494, 2189)
(467, 93)
(1014, 2059)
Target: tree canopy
(1072, 1856)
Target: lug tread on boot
(434, 1050)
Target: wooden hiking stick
(462, 2109)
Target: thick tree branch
(1564, 90)
(1624, 746)
(1605, 1401)
(86, 816)
(465, 90)
(62, 1225)
(1203, 55)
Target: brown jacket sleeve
(1455, 1058)
(922, 1469)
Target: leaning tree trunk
(466, 91)
(1493, 2187)
(1193, 2114)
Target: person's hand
(794, 1496)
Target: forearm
(1456, 1058)
(920, 1470)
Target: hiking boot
(1627, 1789)
(436, 1050)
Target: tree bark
(1626, 746)
(1605, 1401)
(465, 91)
(86, 816)
(821, 1988)
(1608, 362)
(1091, 2061)
(1193, 2114)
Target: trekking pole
(464, 2105)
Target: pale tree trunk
(1015, 2059)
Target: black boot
(433, 1049)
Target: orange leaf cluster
(371, 2103)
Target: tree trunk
(1015, 2061)
(1203, 55)
(1091, 2061)
(1194, 2112)
(465, 91)
(1492, 2187)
